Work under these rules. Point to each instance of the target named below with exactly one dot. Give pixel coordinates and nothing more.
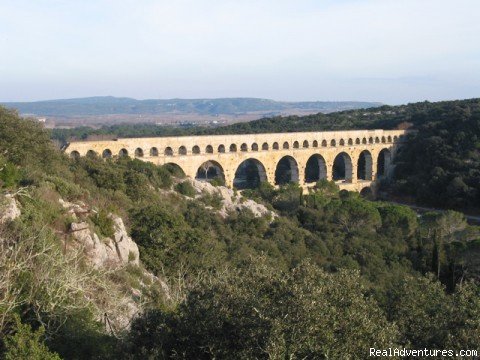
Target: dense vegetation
(330, 276)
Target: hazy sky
(393, 51)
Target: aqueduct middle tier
(354, 158)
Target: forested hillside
(323, 275)
(440, 165)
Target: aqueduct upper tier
(354, 158)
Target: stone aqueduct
(354, 159)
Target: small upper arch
(168, 151)
(153, 151)
(138, 152)
(233, 148)
(209, 149)
(244, 147)
(275, 146)
(333, 142)
(296, 145)
(315, 143)
(221, 148)
(182, 150)
(196, 149)
(286, 145)
(107, 154)
(123, 153)
(324, 143)
(265, 146)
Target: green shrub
(213, 200)
(68, 190)
(26, 343)
(185, 188)
(9, 175)
(103, 224)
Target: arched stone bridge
(354, 159)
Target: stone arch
(233, 148)
(123, 153)
(168, 151)
(316, 168)
(383, 162)
(324, 143)
(286, 171)
(107, 154)
(209, 149)
(254, 147)
(305, 144)
(370, 140)
(342, 167)
(364, 166)
(91, 154)
(377, 140)
(364, 141)
(265, 146)
(286, 145)
(333, 142)
(275, 146)
(367, 193)
(182, 150)
(357, 141)
(244, 147)
(384, 140)
(196, 149)
(138, 152)
(221, 148)
(75, 154)
(342, 142)
(153, 151)
(175, 169)
(395, 138)
(210, 170)
(296, 145)
(315, 144)
(350, 141)
(249, 174)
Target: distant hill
(108, 105)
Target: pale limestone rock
(230, 201)
(9, 209)
(127, 249)
(106, 252)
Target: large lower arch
(316, 169)
(250, 173)
(286, 171)
(364, 166)
(383, 163)
(342, 167)
(174, 169)
(209, 171)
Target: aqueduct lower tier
(354, 159)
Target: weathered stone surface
(106, 252)
(9, 209)
(230, 201)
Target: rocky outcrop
(230, 200)
(9, 209)
(106, 252)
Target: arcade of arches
(354, 159)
